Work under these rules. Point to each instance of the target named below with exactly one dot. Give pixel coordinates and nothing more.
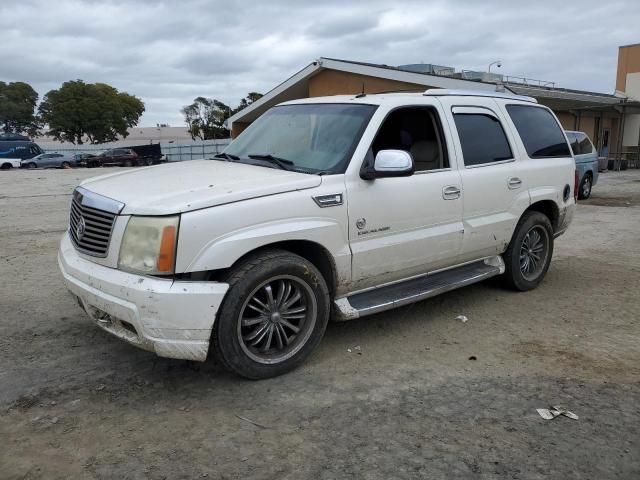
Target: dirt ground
(424, 396)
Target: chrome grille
(89, 227)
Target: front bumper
(171, 318)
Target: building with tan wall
(600, 115)
(628, 84)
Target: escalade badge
(80, 228)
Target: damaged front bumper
(171, 318)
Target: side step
(395, 295)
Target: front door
(404, 226)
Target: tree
(17, 108)
(205, 117)
(246, 101)
(79, 112)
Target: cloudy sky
(168, 52)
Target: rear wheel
(273, 316)
(529, 254)
(65, 165)
(5, 166)
(31, 165)
(585, 187)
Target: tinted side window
(539, 131)
(584, 144)
(482, 138)
(573, 142)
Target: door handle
(514, 182)
(451, 192)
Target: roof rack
(437, 92)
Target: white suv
(325, 207)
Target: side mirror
(393, 163)
(387, 163)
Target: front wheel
(585, 187)
(273, 316)
(529, 254)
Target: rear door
(493, 181)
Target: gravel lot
(409, 403)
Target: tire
(520, 274)
(585, 187)
(127, 163)
(31, 165)
(65, 165)
(240, 347)
(5, 166)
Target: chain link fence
(173, 152)
(193, 151)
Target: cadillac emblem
(80, 228)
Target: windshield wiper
(226, 156)
(283, 163)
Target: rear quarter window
(573, 142)
(540, 132)
(584, 144)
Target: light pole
(498, 63)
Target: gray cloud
(169, 52)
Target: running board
(409, 291)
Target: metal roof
(296, 87)
(291, 89)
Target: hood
(192, 185)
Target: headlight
(149, 245)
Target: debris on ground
(251, 422)
(355, 349)
(462, 318)
(473, 357)
(553, 412)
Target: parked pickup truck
(337, 207)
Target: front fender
(215, 238)
(224, 251)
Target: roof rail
(437, 92)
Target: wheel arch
(312, 251)
(548, 208)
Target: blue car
(586, 162)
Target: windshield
(313, 138)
